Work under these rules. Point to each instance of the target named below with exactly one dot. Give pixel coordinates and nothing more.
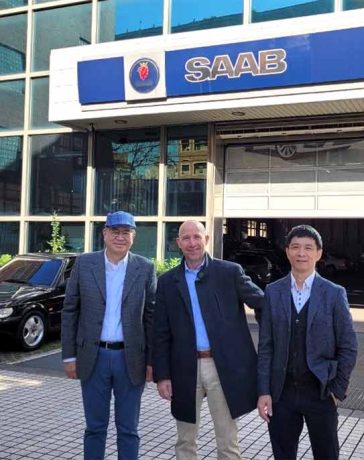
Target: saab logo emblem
(144, 75)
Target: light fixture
(238, 113)
(121, 122)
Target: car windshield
(31, 271)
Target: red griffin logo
(143, 70)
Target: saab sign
(311, 59)
(268, 62)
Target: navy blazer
(330, 339)
(222, 288)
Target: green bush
(4, 259)
(162, 266)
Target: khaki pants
(226, 429)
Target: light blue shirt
(112, 330)
(202, 340)
(300, 296)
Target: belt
(111, 345)
(204, 354)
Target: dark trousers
(110, 375)
(299, 403)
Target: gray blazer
(331, 341)
(84, 308)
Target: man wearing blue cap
(106, 335)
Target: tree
(57, 240)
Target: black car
(263, 266)
(32, 288)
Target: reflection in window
(40, 234)
(59, 28)
(10, 174)
(12, 105)
(12, 43)
(352, 4)
(39, 104)
(171, 232)
(58, 172)
(186, 192)
(190, 15)
(125, 19)
(266, 10)
(9, 238)
(145, 242)
(127, 165)
(4, 4)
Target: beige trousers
(226, 430)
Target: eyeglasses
(117, 232)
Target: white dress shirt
(300, 296)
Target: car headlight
(6, 312)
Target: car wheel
(286, 151)
(32, 331)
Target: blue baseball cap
(120, 219)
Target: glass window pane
(10, 174)
(145, 243)
(124, 19)
(186, 192)
(170, 246)
(59, 28)
(127, 167)
(9, 238)
(266, 10)
(12, 105)
(192, 15)
(13, 32)
(341, 152)
(58, 174)
(40, 234)
(352, 4)
(4, 4)
(39, 104)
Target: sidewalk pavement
(41, 417)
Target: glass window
(145, 243)
(32, 272)
(59, 28)
(40, 234)
(266, 10)
(4, 4)
(123, 19)
(186, 191)
(12, 105)
(9, 238)
(10, 174)
(192, 15)
(170, 246)
(39, 104)
(352, 4)
(12, 43)
(127, 166)
(58, 174)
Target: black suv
(32, 288)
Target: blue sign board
(311, 59)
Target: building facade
(244, 114)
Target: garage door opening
(258, 245)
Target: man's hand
(165, 389)
(336, 401)
(149, 374)
(265, 407)
(70, 369)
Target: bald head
(192, 241)
(191, 224)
